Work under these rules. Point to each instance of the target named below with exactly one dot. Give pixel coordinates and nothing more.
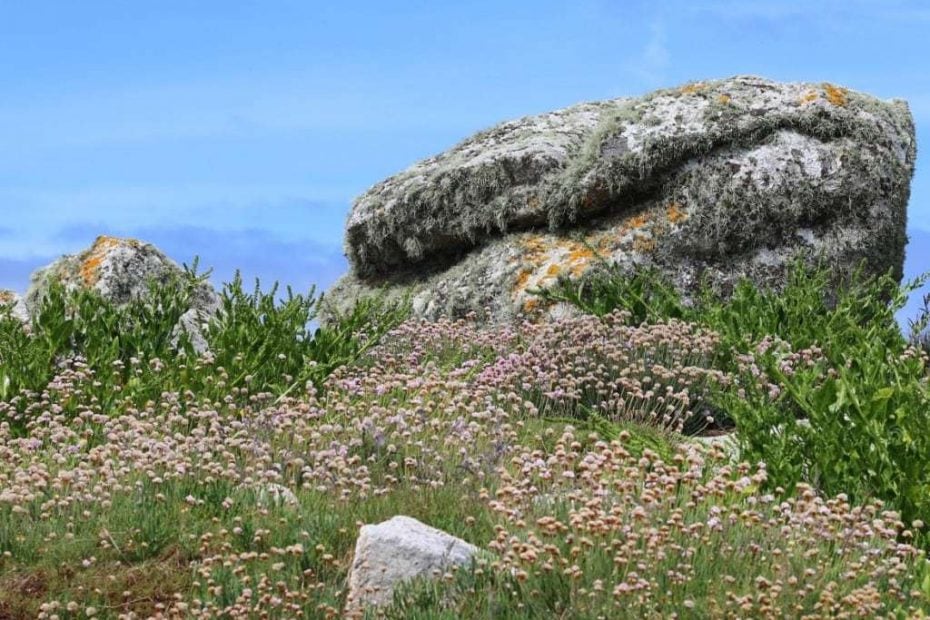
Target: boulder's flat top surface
(592, 158)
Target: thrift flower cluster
(166, 510)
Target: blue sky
(241, 131)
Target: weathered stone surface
(399, 550)
(10, 298)
(727, 443)
(721, 179)
(272, 494)
(120, 270)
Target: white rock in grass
(396, 551)
(727, 443)
(276, 494)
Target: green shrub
(829, 390)
(645, 294)
(861, 390)
(133, 353)
(919, 328)
(268, 343)
(119, 346)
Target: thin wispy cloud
(14, 272)
(654, 59)
(81, 213)
(255, 252)
(231, 106)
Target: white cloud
(654, 60)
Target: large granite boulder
(722, 179)
(396, 551)
(120, 270)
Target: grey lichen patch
(482, 185)
(497, 281)
(119, 269)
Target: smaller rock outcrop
(120, 270)
(13, 300)
(395, 551)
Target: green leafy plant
(849, 414)
(829, 390)
(644, 293)
(133, 353)
(919, 328)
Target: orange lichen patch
(810, 96)
(578, 269)
(94, 257)
(530, 305)
(638, 221)
(675, 214)
(690, 89)
(644, 244)
(724, 99)
(580, 253)
(544, 257)
(836, 95)
(534, 246)
(522, 280)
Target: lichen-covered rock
(15, 303)
(120, 270)
(395, 551)
(719, 179)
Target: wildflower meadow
(141, 479)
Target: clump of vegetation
(828, 390)
(919, 328)
(139, 478)
(598, 532)
(654, 374)
(134, 353)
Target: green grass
(158, 544)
